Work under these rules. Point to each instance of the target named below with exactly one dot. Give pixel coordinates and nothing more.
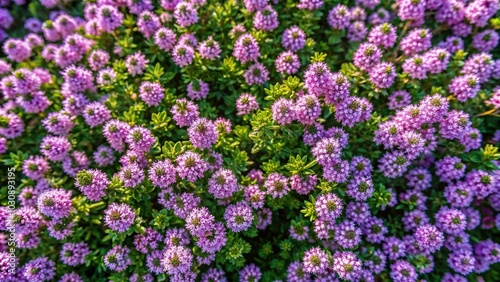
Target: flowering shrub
(255, 140)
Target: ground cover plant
(255, 140)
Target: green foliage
(233, 252)
(310, 211)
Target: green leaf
(160, 120)
(490, 153)
(309, 210)
(296, 164)
(271, 166)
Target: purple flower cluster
(293, 39)
(202, 133)
(190, 166)
(117, 259)
(246, 103)
(55, 203)
(238, 217)
(151, 93)
(119, 217)
(165, 123)
(246, 49)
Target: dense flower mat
(255, 140)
